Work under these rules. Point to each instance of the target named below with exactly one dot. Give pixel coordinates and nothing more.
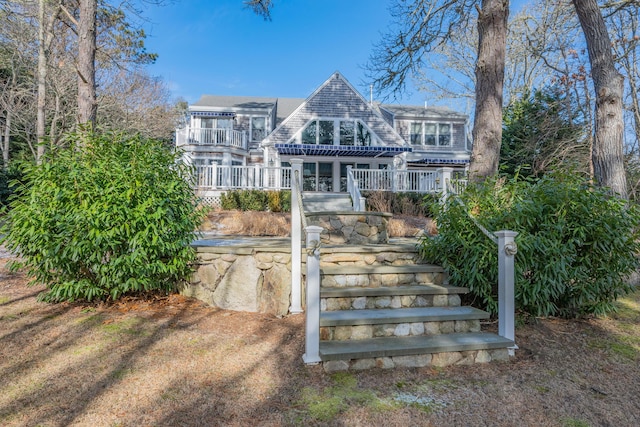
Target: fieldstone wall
(243, 279)
(352, 227)
(258, 279)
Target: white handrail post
(444, 175)
(312, 324)
(296, 238)
(506, 284)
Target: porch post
(394, 178)
(213, 178)
(296, 238)
(444, 175)
(312, 323)
(506, 283)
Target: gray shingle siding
(336, 99)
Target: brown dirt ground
(172, 361)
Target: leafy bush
(253, 200)
(576, 244)
(230, 201)
(256, 200)
(113, 215)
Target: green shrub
(253, 200)
(576, 244)
(113, 215)
(256, 200)
(229, 201)
(285, 200)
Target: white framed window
(431, 134)
(335, 132)
(258, 128)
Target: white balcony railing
(214, 177)
(397, 180)
(208, 136)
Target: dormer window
(432, 134)
(336, 132)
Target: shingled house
(237, 142)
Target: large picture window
(309, 134)
(336, 132)
(347, 133)
(325, 132)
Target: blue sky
(220, 47)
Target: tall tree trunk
(487, 126)
(87, 106)
(607, 151)
(42, 79)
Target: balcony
(211, 137)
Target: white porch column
(506, 283)
(312, 324)
(226, 170)
(444, 175)
(296, 237)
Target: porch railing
(214, 177)
(208, 136)
(397, 180)
(353, 188)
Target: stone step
(321, 202)
(422, 289)
(400, 315)
(412, 346)
(377, 276)
(359, 298)
(380, 269)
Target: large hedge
(576, 244)
(112, 215)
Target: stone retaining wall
(351, 227)
(243, 279)
(258, 279)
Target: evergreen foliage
(576, 244)
(542, 132)
(111, 216)
(256, 200)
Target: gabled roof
(336, 97)
(284, 106)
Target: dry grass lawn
(279, 224)
(171, 361)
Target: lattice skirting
(211, 198)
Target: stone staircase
(381, 306)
